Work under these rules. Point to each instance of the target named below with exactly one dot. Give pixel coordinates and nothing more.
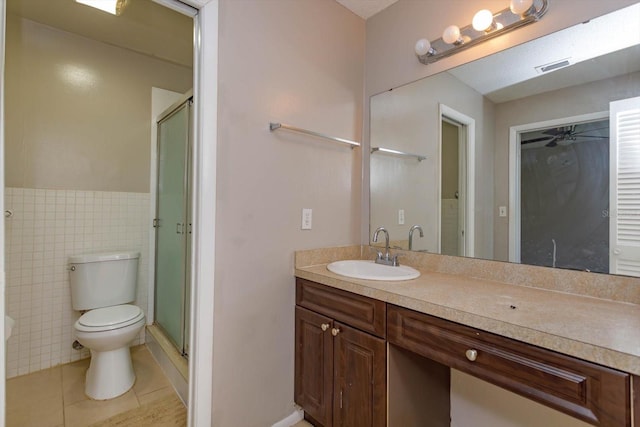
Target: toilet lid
(110, 316)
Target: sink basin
(369, 270)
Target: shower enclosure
(173, 224)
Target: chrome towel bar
(276, 126)
(398, 153)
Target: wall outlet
(502, 210)
(306, 218)
(401, 217)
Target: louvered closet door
(624, 206)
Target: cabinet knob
(335, 331)
(471, 354)
(324, 326)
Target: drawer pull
(335, 332)
(471, 354)
(324, 326)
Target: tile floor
(55, 397)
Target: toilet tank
(103, 280)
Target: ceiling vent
(541, 69)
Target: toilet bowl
(107, 332)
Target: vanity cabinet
(593, 393)
(340, 357)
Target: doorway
(564, 189)
(559, 171)
(457, 187)
(451, 193)
(206, 164)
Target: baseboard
(295, 417)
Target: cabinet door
(360, 379)
(314, 365)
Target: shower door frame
(187, 102)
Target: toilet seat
(109, 318)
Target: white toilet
(104, 284)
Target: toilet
(104, 285)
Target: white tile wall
(47, 227)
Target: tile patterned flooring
(55, 397)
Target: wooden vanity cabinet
(340, 357)
(593, 393)
(635, 379)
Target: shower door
(173, 225)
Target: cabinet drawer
(595, 394)
(364, 313)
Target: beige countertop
(598, 330)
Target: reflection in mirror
(564, 176)
(537, 172)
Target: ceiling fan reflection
(566, 135)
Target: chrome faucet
(411, 230)
(385, 259)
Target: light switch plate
(306, 218)
(502, 210)
(401, 217)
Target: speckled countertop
(599, 330)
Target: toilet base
(110, 374)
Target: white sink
(369, 270)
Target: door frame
(515, 165)
(467, 161)
(3, 374)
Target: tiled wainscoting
(45, 228)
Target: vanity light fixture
(485, 25)
(114, 7)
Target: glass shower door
(172, 224)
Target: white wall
(79, 116)
(301, 63)
(477, 403)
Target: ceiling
(366, 8)
(144, 26)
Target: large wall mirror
(529, 155)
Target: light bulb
(521, 7)
(423, 47)
(483, 20)
(451, 35)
